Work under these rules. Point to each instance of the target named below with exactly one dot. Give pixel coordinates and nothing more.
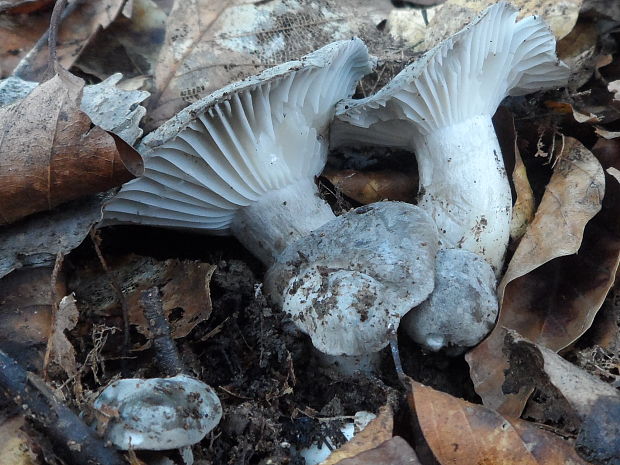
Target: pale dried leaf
(61, 350)
(579, 51)
(454, 14)
(614, 172)
(607, 134)
(49, 154)
(115, 110)
(462, 433)
(572, 198)
(614, 88)
(210, 44)
(38, 239)
(395, 451)
(376, 432)
(525, 205)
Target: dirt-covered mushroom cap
(462, 309)
(348, 282)
(158, 413)
(441, 107)
(243, 160)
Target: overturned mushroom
(243, 160)
(158, 413)
(441, 107)
(347, 283)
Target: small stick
(53, 284)
(166, 352)
(404, 379)
(74, 441)
(24, 67)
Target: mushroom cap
(466, 75)
(347, 283)
(159, 413)
(463, 307)
(229, 149)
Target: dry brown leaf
(525, 205)
(395, 451)
(16, 447)
(185, 285)
(373, 186)
(454, 14)
(19, 33)
(568, 392)
(548, 300)
(49, 154)
(211, 43)
(25, 316)
(376, 432)
(462, 433)
(579, 51)
(59, 347)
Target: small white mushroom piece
(349, 283)
(243, 160)
(158, 413)
(462, 309)
(441, 107)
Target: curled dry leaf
(525, 205)
(547, 299)
(184, 285)
(49, 154)
(60, 349)
(395, 451)
(373, 186)
(19, 33)
(454, 14)
(579, 51)
(462, 433)
(568, 392)
(211, 43)
(374, 434)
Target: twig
(59, 7)
(166, 351)
(74, 441)
(403, 378)
(117, 289)
(24, 67)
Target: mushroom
(243, 160)
(348, 284)
(157, 413)
(462, 309)
(441, 107)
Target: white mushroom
(441, 108)
(462, 309)
(158, 413)
(349, 283)
(243, 160)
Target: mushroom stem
(279, 218)
(463, 185)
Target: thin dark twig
(74, 441)
(117, 290)
(166, 351)
(59, 7)
(392, 336)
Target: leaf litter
(562, 149)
